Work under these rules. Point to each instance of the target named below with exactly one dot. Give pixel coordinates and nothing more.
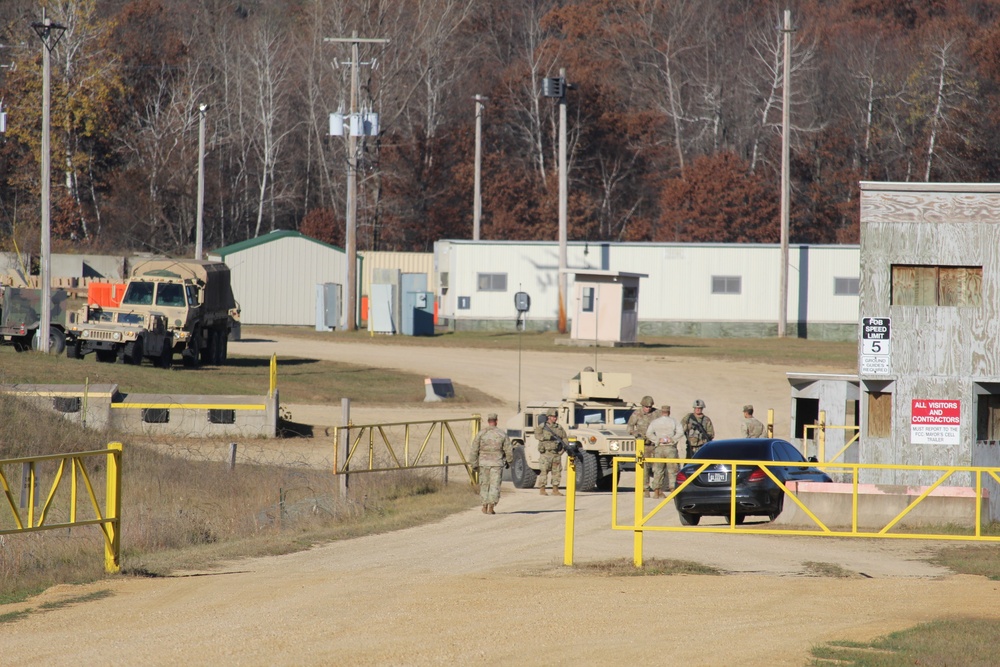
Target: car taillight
(757, 475)
(681, 476)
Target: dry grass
(183, 512)
(299, 380)
(983, 560)
(651, 567)
(830, 570)
(962, 641)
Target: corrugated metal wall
(406, 262)
(679, 286)
(275, 282)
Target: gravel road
(491, 589)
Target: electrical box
(554, 86)
(522, 302)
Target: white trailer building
(702, 289)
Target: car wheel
(521, 473)
(689, 519)
(586, 472)
(133, 353)
(74, 350)
(780, 506)
(740, 518)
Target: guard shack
(929, 340)
(834, 395)
(606, 308)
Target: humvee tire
(521, 475)
(586, 472)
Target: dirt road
(478, 589)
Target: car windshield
(740, 450)
(621, 416)
(129, 318)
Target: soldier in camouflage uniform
(491, 451)
(698, 428)
(666, 434)
(638, 424)
(751, 426)
(548, 436)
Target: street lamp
(50, 33)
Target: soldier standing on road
(666, 433)
(550, 436)
(491, 451)
(751, 426)
(638, 424)
(697, 427)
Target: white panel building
(692, 289)
(275, 276)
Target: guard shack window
(588, 300)
(727, 284)
(959, 286)
(491, 282)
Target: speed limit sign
(876, 341)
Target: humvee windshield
(129, 318)
(601, 415)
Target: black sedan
(710, 493)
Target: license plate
(718, 476)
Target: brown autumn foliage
(673, 117)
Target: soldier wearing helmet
(491, 451)
(638, 424)
(697, 427)
(550, 436)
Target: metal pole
(45, 324)
(563, 195)
(343, 445)
(477, 204)
(199, 235)
(785, 189)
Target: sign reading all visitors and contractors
(935, 422)
(876, 339)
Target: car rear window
(750, 451)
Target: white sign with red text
(935, 421)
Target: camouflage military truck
(191, 299)
(593, 413)
(20, 316)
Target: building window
(727, 284)
(222, 416)
(491, 282)
(959, 286)
(156, 415)
(588, 300)
(879, 414)
(845, 286)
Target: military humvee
(593, 413)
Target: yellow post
(570, 510)
(113, 509)
(770, 422)
(273, 379)
(640, 493)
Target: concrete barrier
(438, 389)
(878, 504)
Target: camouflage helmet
(647, 401)
(551, 412)
(698, 403)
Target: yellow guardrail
(819, 436)
(31, 518)
(365, 440)
(642, 521)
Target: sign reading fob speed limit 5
(876, 334)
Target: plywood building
(929, 356)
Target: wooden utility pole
(349, 319)
(200, 224)
(563, 207)
(477, 204)
(785, 187)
